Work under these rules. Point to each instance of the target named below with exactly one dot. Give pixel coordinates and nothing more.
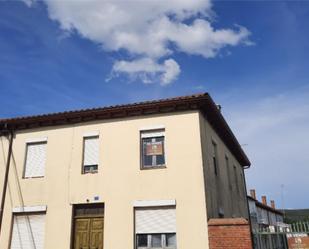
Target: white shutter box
(154, 203)
(27, 209)
(148, 134)
(91, 150)
(28, 231)
(155, 220)
(36, 158)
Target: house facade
(143, 175)
(262, 214)
(267, 223)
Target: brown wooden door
(88, 233)
(96, 233)
(82, 227)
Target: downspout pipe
(248, 209)
(6, 176)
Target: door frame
(74, 217)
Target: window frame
(149, 241)
(92, 136)
(228, 172)
(33, 142)
(23, 213)
(242, 188)
(161, 133)
(236, 179)
(214, 156)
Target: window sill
(154, 167)
(166, 247)
(90, 173)
(32, 177)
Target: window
(156, 241)
(214, 157)
(28, 231)
(91, 155)
(142, 240)
(170, 239)
(242, 186)
(236, 179)
(152, 149)
(82, 210)
(228, 172)
(167, 240)
(35, 159)
(155, 228)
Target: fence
(294, 236)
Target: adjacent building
(266, 223)
(263, 215)
(143, 175)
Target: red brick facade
(232, 233)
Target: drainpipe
(6, 176)
(248, 209)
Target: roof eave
(201, 102)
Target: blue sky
(258, 71)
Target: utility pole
(6, 176)
(282, 200)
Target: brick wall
(231, 233)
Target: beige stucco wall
(118, 183)
(218, 192)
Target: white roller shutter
(28, 231)
(147, 134)
(155, 220)
(36, 158)
(91, 150)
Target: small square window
(142, 240)
(170, 240)
(156, 240)
(90, 168)
(153, 149)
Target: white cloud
(148, 70)
(276, 132)
(28, 2)
(172, 70)
(150, 29)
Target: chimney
(264, 200)
(219, 107)
(272, 204)
(252, 193)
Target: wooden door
(82, 227)
(88, 233)
(96, 233)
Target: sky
(251, 56)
